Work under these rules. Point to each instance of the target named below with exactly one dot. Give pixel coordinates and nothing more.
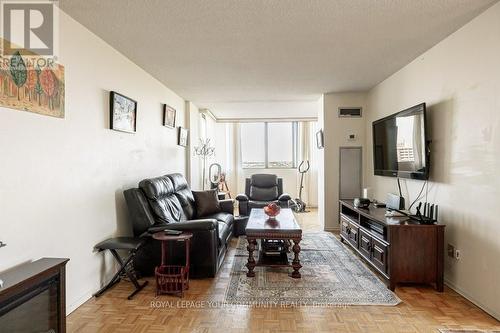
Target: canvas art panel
(183, 137)
(32, 83)
(169, 116)
(123, 113)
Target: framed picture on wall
(320, 141)
(183, 137)
(169, 116)
(123, 113)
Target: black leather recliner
(167, 202)
(261, 190)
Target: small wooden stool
(130, 244)
(172, 279)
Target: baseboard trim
(331, 229)
(471, 299)
(79, 302)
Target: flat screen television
(400, 144)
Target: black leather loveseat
(167, 202)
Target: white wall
(62, 180)
(459, 79)
(194, 163)
(321, 164)
(336, 134)
(225, 153)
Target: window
(280, 145)
(253, 141)
(268, 145)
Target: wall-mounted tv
(400, 144)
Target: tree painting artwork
(123, 113)
(32, 84)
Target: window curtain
(308, 152)
(228, 155)
(238, 174)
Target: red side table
(172, 279)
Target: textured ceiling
(265, 50)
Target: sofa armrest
(242, 204)
(242, 197)
(191, 225)
(227, 206)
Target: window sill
(270, 168)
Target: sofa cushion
(206, 203)
(184, 194)
(263, 193)
(140, 214)
(158, 187)
(162, 199)
(222, 217)
(264, 180)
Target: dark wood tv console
(400, 249)
(33, 297)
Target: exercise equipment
(298, 205)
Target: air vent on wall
(350, 112)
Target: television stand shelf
(400, 249)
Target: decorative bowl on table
(272, 210)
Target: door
(350, 172)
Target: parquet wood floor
(422, 310)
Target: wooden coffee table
(283, 227)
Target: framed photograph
(183, 137)
(320, 141)
(168, 116)
(123, 113)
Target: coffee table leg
(296, 262)
(251, 261)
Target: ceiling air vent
(350, 112)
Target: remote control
(173, 232)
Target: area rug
(331, 276)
